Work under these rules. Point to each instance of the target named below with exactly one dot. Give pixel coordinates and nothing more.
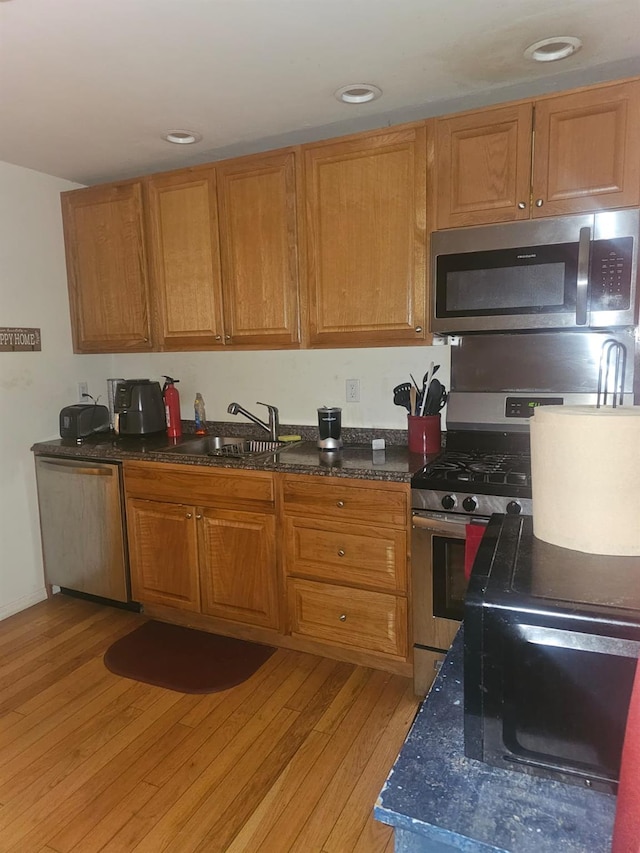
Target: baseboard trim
(23, 603)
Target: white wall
(295, 381)
(35, 385)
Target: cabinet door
(586, 153)
(238, 566)
(163, 553)
(186, 259)
(370, 621)
(107, 268)
(366, 211)
(351, 554)
(258, 238)
(483, 164)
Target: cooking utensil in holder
(612, 357)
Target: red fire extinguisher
(172, 407)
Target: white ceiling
(87, 87)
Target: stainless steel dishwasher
(82, 526)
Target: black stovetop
(489, 463)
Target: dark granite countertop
(439, 800)
(356, 460)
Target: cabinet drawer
(326, 498)
(199, 485)
(339, 615)
(347, 554)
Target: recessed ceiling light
(182, 137)
(357, 93)
(551, 49)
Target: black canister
(329, 428)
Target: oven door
(438, 588)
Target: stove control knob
(470, 504)
(514, 508)
(448, 502)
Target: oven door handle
(442, 525)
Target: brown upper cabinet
(224, 257)
(365, 230)
(325, 245)
(107, 268)
(258, 212)
(564, 154)
(185, 259)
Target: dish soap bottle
(200, 416)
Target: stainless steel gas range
(497, 381)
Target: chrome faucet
(273, 424)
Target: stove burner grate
(468, 471)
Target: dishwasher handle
(75, 468)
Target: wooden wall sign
(20, 340)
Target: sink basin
(229, 446)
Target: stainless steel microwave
(567, 272)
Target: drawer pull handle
(341, 553)
(343, 617)
(340, 504)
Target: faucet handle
(271, 408)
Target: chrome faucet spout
(271, 426)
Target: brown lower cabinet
(163, 553)
(359, 618)
(220, 562)
(346, 548)
(203, 541)
(238, 566)
(293, 560)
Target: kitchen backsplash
(297, 382)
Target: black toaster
(82, 420)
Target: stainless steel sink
(229, 446)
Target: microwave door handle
(582, 288)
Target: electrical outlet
(352, 390)
(83, 388)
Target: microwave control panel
(524, 407)
(610, 284)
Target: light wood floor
(291, 760)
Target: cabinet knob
(539, 202)
(218, 337)
(418, 329)
(227, 337)
(522, 205)
(340, 504)
(188, 515)
(198, 517)
(341, 553)
(343, 617)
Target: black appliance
(329, 428)
(139, 407)
(552, 638)
(82, 420)
(567, 272)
